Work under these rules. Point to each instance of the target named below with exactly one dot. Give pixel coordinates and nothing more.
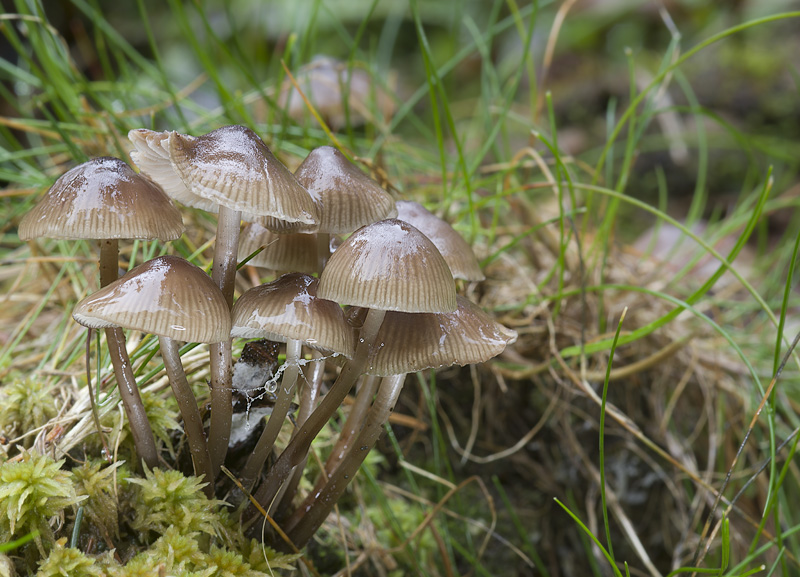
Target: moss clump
(168, 499)
(25, 405)
(33, 490)
(69, 562)
(98, 484)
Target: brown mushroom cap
(389, 265)
(454, 248)
(103, 199)
(282, 252)
(349, 198)
(288, 308)
(166, 296)
(410, 342)
(230, 166)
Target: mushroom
(454, 249)
(407, 342)
(177, 301)
(105, 199)
(230, 171)
(289, 252)
(288, 310)
(324, 81)
(348, 198)
(388, 265)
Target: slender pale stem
(298, 447)
(131, 400)
(223, 271)
(308, 521)
(126, 383)
(187, 403)
(354, 421)
(352, 426)
(308, 400)
(283, 403)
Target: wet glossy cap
(349, 198)
(103, 198)
(230, 166)
(454, 249)
(288, 308)
(166, 296)
(392, 266)
(282, 252)
(410, 342)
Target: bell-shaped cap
(454, 248)
(282, 252)
(230, 166)
(288, 308)
(166, 296)
(409, 342)
(102, 199)
(389, 265)
(349, 198)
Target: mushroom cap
(103, 198)
(454, 248)
(389, 265)
(409, 342)
(282, 252)
(166, 296)
(349, 198)
(230, 166)
(288, 308)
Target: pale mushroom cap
(454, 248)
(410, 342)
(166, 296)
(282, 252)
(288, 308)
(392, 266)
(349, 198)
(103, 198)
(230, 166)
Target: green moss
(33, 489)
(97, 483)
(26, 404)
(68, 562)
(167, 499)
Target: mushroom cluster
(380, 304)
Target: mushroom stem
(126, 383)
(305, 522)
(353, 424)
(263, 448)
(187, 403)
(308, 400)
(298, 447)
(354, 421)
(223, 271)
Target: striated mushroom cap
(410, 342)
(101, 199)
(349, 199)
(230, 166)
(389, 265)
(288, 308)
(166, 296)
(282, 252)
(454, 248)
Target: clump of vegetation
(69, 562)
(97, 481)
(168, 499)
(25, 405)
(33, 489)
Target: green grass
(481, 135)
